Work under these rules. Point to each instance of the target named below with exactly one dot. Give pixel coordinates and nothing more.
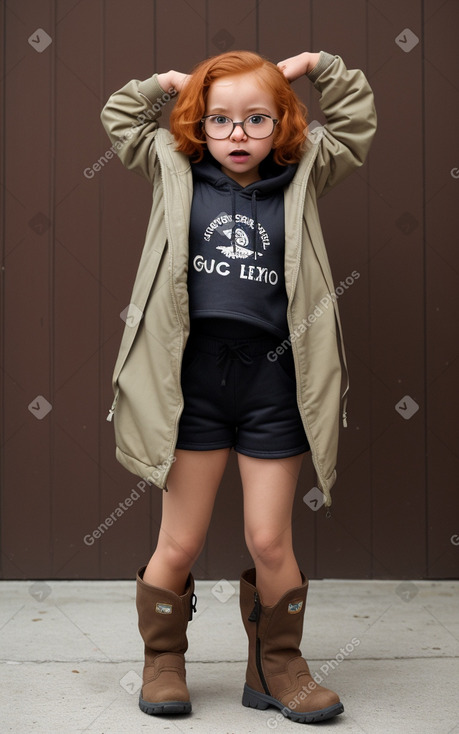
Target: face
(238, 97)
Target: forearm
(311, 61)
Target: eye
(256, 119)
(219, 120)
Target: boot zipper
(255, 617)
(255, 613)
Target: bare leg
(187, 509)
(269, 489)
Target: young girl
(238, 345)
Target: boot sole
(165, 707)
(255, 700)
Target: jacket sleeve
(130, 118)
(346, 99)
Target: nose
(238, 133)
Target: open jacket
(148, 398)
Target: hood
(273, 176)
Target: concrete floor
(71, 659)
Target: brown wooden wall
(71, 244)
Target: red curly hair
(185, 119)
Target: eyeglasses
(220, 127)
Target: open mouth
(239, 153)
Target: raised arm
(348, 105)
(131, 115)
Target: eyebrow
(254, 108)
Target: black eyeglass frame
(241, 123)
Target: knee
(180, 553)
(267, 548)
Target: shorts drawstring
(227, 353)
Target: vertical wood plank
(76, 294)
(344, 533)
(3, 425)
(27, 492)
(397, 326)
(442, 285)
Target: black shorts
(235, 396)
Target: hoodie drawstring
(255, 223)
(233, 220)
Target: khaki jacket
(146, 380)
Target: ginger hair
(190, 108)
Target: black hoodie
(237, 239)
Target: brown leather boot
(163, 619)
(277, 675)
